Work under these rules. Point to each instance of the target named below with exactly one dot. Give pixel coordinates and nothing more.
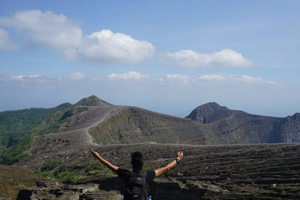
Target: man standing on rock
(137, 181)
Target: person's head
(137, 160)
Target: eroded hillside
(238, 127)
(260, 171)
(136, 125)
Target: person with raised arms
(137, 181)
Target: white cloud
(127, 76)
(38, 78)
(18, 78)
(274, 83)
(251, 79)
(237, 79)
(46, 29)
(58, 32)
(211, 78)
(5, 43)
(192, 59)
(176, 78)
(75, 76)
(108, 46)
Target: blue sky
(165, 56)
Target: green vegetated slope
(14, 154)
(14, 125)
(17, 128)
(135, 125)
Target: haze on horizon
(164, 56)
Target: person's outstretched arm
(104, 162)
(158, 172)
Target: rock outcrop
(12, 179)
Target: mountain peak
(212, 105)
(201, 113)
(92, 101)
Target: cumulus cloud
(127, 76)
(46, 29)
(5, 43)
(58, 32)
(75, 76)
(192, 59)
(109, 46)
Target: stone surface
(59, 192)
(222, 172)
(102, 195)
(12, 179)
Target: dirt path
(105, 117)
(75, 134)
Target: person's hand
(95, 154)
(180, 155)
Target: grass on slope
(20, 139)
(14, 178)
(70, 174)
(13, 155)
(135, 125)
(14, 125)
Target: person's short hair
(137, 160)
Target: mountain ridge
(210, 160)
(100, 122)
(265, 129)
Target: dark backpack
(137, 186)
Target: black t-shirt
(125, 175)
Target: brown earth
(256, 171)
(226, 172)
(12, 179)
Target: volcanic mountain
(234, 126)
(210, 112)
(222, 171)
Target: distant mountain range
(264, 129)
(56, 143)
(97, 121)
